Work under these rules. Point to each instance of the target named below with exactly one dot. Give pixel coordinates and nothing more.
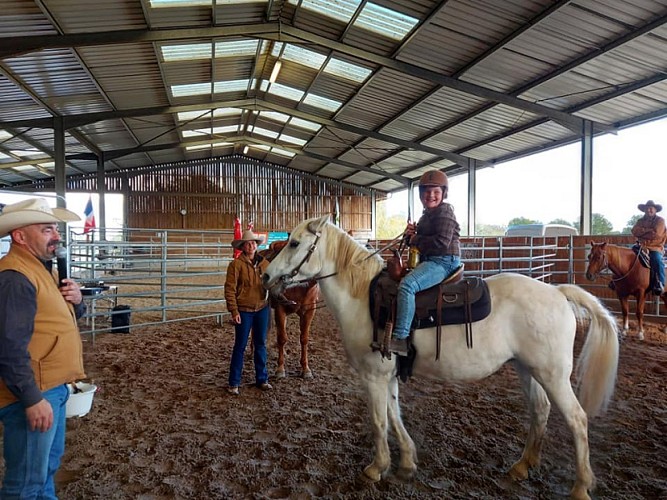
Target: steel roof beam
(277, 31)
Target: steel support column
(586, 215)
(472, 200)
(101, 189)
(59, 157)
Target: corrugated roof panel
(23, 18)
(84, 16)
(174, 17)
(241, 13)
(643, 102)
(16, 104)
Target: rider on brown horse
(651, 234)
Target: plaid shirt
(438, 232)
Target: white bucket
(79, 403)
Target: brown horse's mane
(352, 260)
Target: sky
(629, 168)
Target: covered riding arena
(199, 112)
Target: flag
(89, 224)
(237, 234)
(251, 226)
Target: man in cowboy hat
(247, 302)
(40, 348)
(651, 234)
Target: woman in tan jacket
(247, 302)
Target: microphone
(61, 260)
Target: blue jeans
(33, 457)
(657, 265)
(259, 323)
(430, 272)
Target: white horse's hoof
(641, 336)
(405, 473)
(280, 373)
(307, 374)
(370, 475)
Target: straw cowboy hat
(649, 203)
(32, 211)
(248, 235)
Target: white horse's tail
(598, 361)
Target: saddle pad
(384, 290)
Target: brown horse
(300, 300)
(630, 278)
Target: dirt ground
(162, 426)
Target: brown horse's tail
(598, 361)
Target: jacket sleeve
(231, 283)
(437, 241)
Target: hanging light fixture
(276, 70)
(246, 149)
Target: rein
(616, 280)
(287, 278)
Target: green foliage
(630, 224)
(599, 225)
(388, 227)
(522, 220)
(561, 221)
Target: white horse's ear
(322, 221)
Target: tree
(388, 227)
(522, 220)
(599, 225)
(630, 224)
(489, 230)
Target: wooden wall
(214, 191)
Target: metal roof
(369, 93)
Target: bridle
(287, 279)
(605, 265)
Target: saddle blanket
(453, 311)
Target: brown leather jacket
(244, 290)
(651, 232)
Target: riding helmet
(434, 178)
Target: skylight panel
(236, 48)
(4, 135)
(208, 131)
(291, 140)
(4, 156)
(26, 152)
(322, 102)
(209, 145)
(265, 132)
(191, 89)
(347, 70)
(284, 91)
(300, 55)
(282, 152)
(179, 3)
(231, 86)
(385, 21)
(305, 124)
(186, 116)
(23, 168)
(275, 116)
(343, 10)
(186, 52)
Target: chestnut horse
(630, 278)
(300, 300)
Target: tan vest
(56, 352)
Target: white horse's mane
(351, 260)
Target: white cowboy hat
(248, 235)
(32, 211)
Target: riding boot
(658, 289)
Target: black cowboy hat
(649, 203)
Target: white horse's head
(317, 249)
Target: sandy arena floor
(162, 427)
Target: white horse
(532, 324)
